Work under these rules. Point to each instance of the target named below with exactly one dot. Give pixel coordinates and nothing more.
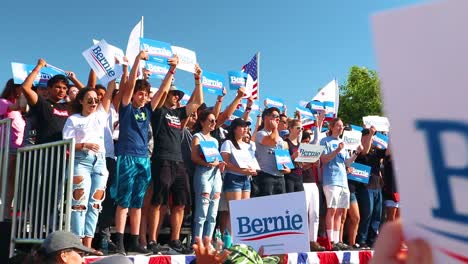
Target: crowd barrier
(43, 191)
(5, 128)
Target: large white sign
(101, 58)
(379, 122)
(423, 62)
(309, 153)
(352, 139)
(187, 58)
(278, 223)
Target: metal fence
(43, 191)
(5, 128)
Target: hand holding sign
(173, 61)
(143, 55)
(198, 72)
(340, 147)
(41, 63)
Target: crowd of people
(138, 156)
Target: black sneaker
(176, 247)
(120, 251)
(156, 248)
(139, 250)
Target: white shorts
(336, 196)
(391, 203)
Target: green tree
(360, 95)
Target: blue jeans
(90, 177)
(206, 180)
(370, 210)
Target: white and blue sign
(356, 128)
(274, 102)
(309, 153)
(278, 229)
(316, 106)
(238, 113)
(360, 173)
(305, 113)
(283, 159)
(329, 106)
(210, 151)
(158, 51)
(21, 71)
(158, 70)
(380, 141)
(213, 83)
(237, 79)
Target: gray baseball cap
(114, 260)
(60, 240)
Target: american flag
(251, 69)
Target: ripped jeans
(89, 188)
(207, 184)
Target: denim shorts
(236, 183)
(352, 197)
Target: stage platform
(329, 257)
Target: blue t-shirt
(334, 172)
(133, 131)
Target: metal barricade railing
(5, 128)
(43, 191)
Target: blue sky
(303, 44)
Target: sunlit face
(210, 122)
(337, 128)
(192, 119)
(274, 116)
(71, 256)
(58, 91)
(90, 102)
(296, 129)
(72, 92)
(140, 98)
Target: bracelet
(82, 146)
(248, 108)
(197, 78)
(172, 71)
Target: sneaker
(356, 246)
(176, 247)
(314, 246)
(335, 247)
(139, 250)
(343, 246)
(120, 251)
(156, 248)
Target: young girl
(87, 126)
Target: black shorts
(170, 183)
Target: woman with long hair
(207, 180)
(87, 125)
(10, 108)
(235, 151)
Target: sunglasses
(275, 116)
(93, 100)
(299, 128)
(212, 121)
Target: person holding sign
(334, 161)
(270, 179)
(207, 180)
(241, 165)
(293, 180)
(133, 165)
(169, 175)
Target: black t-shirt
(51, 118)
(389, 178)
(167, 131)
(372, 159)
(296, 172)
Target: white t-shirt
(244, 153)
(87, 129)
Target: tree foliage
(360, 95)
